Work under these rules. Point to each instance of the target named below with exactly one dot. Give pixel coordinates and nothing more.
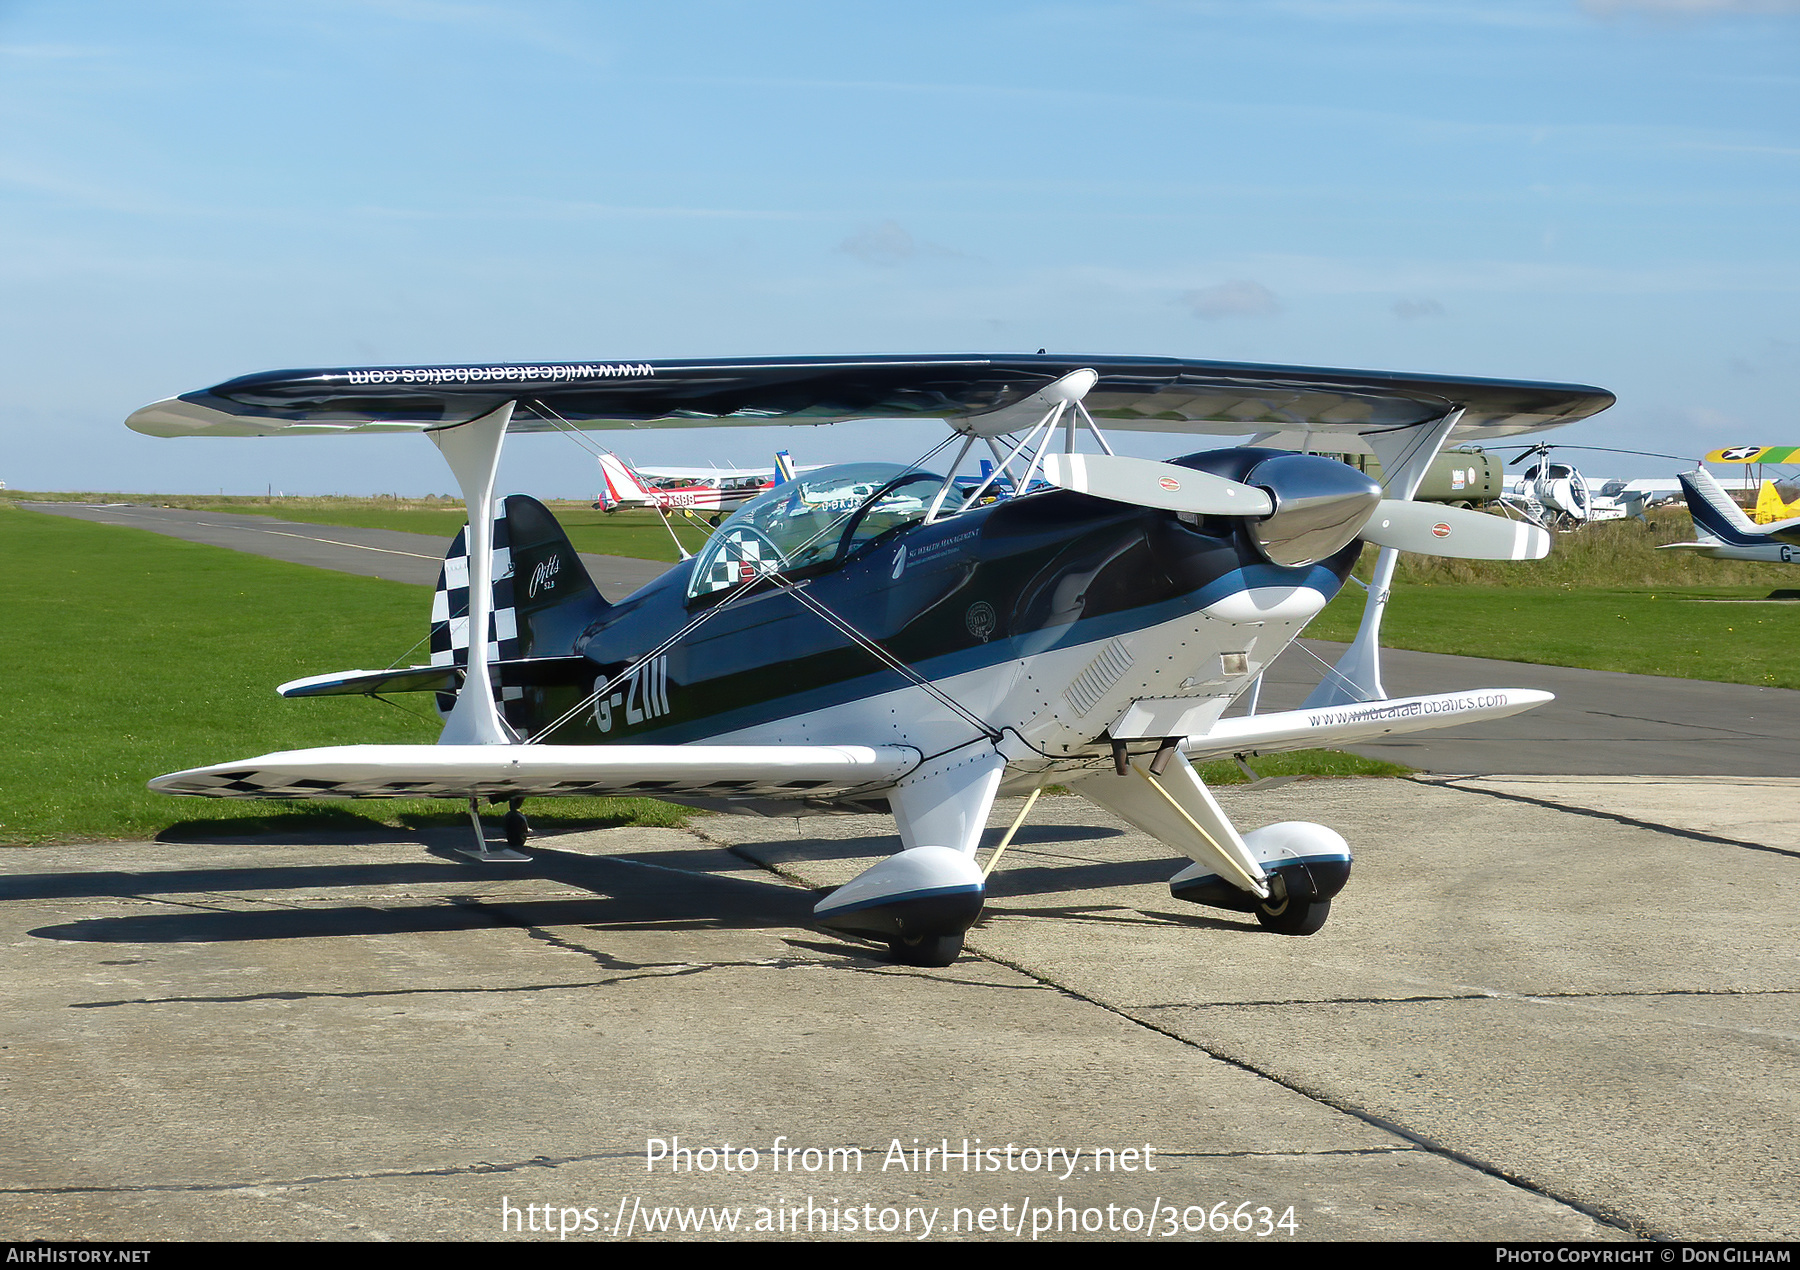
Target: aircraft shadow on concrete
(670, 890)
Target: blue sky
(1602, 191)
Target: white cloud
(1238, 298)
(1689, 8)
(1407, 310)
(889, 244)
(885, 244)
(1774, 357)
(57, 51)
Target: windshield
(803, 523)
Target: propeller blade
(1453, 531)
(1147, 483)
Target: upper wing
(1756, 454)
(1138, 393)
(521, 771)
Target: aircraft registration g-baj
(874, 636)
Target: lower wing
(1361, 721)
(537, 771)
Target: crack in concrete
(1696, 835)
(297, 995)
(1373, 1119)
(1473, 994)
(554, 1162)
(1685, 727)
(365, 1175)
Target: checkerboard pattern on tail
(544, 605)
(450, 614)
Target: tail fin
(784, 467)
(623, 486)
(1716, 517)
(1771, 506)
(543, 598)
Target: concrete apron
(1543, 1009)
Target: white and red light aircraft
(698, 490)
(881, 636)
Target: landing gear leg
(481, 851)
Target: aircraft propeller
(1148, 483)
(1453, 531)
(1300, 507)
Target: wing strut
(1405, 455)
(1056, 400)
(473, 452)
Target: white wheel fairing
(922, 892)
(1313, 862)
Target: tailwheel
(517, 827)
(1294, 916)
(927, 950)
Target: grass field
(638, 534)
(1605, 599)
(1720, 633)
(126, 654)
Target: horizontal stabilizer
(539, 771)
(1360, 721)
(525, 672)
(1432, 530)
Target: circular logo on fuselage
(980, 620)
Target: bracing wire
(823, 611)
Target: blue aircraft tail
(1716, 517)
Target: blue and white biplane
(878, 636)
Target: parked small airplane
(1776, 500)
(1756, 454)
(722, 477)
(625, 486)
(1722, 530)
(871, 636)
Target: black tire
(1294, 917)
(517, 827)
(929, 950)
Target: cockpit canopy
(812, 520)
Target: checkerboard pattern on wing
(250, 782)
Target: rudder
(543, 599)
